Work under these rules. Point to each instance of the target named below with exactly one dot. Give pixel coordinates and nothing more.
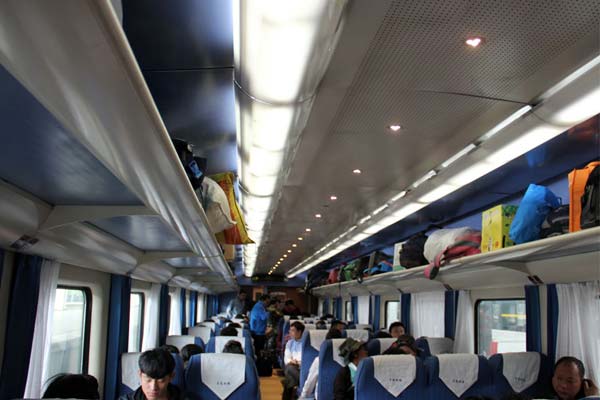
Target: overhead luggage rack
(542, 261)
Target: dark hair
(234, 324)
(337, 321)
(382, 335)
(298, 325)
(395, 324)
(233, 346)
(240, 316)
(516, 396)
(288, 302)
(229, 331)
(69, 386)
(394, 350)
(156, 363)
(264, 297)
(333, 333)
(321, 324)
(170, 348)
(572, 360)
(189, 350)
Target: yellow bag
(238, 233)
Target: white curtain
(363, 309)
(201, 307)
(188, 295)
(320, 308)
(427, 314)
(175, 321)
(150, 340)
(40, 347)
(579, 325)
(464, 337)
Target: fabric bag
(334, 276)
(412, 251)
(590, 201)
(578, 179)
(466, 245)
(556, 223)
(533, 210)
(441, 239)
(216, 206)
(237, 234)
(186, 156)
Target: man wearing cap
(353, 352)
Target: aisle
(270, 387)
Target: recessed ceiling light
(357, 171)
(395, 128)
(474, 41)
(294, 245)
(318, 215)
(281, 259)
(300, 238)
(285, 255)
(333, 197)
(307, 229)
(289, 250)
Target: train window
(69, 341)
(349, 316)
(500, 326)
(392, 312)
(136, 321)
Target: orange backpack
(577, 181)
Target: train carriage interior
(300, 199)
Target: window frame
(87, 322)
(476, 314)
(346, 309)
(385, 317)
(142, 316)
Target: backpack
(590, 201)
(334, 276)
(412, 251)
(556, 223)
(380, 268)
(186, 156)
(578, 179)
(466, 245)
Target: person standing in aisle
(258, 322)
(237, 305)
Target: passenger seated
(339, 325)
(406, 343)
(233, 346)
(397, 329)
(229, 331)
(321, 325)
(291, 360)
(353, 353)
(170, 348)
(568, 381)
(70, 386)
(157, 369)
(382, 335)
(234, 324)
(188, 351)
(310, 386)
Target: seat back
(212, 325)
(391, 377)
(432, 346)
(330, 363)
(311, 344)
(179, 378)
(203, 332)
(526, 373)
(358, 334)
(130, 379)
(363, 326)
(222, 376)
(453, 376)
(181, 340)
(216, 344)
(376, 347)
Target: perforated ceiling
(417, 71)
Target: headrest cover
(358, 334)
(180, 340)
(240, 332)
(223, 373)
(310, 326)
(335, 346)
(385, 343)
(211, 325)
(521, 370)
(363, 326)
(130, 370)
(395, 373)
(203, 332)
(316, 338)
(458, 371)
(440, 345)
(221, 341)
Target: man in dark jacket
(157, 369)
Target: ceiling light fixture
(356, 171)
(285, 256)
(289, 250)
(395, 128)
(317, 215)
(333, 197)
(300, 238)
(474, 41)
(307, 229)
(294, 245)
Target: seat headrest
(130, 370)
(395, 372)
(203, 332)
(458, 371)
(521, 370)
(223, 373)
(385, 343)
(221, 341)
(317, 337)
(358, 334)
(440, 345)
(181, 340)
(335, 348)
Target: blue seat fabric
(370, 388)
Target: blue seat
(311, 344)
(179, 378)
(130, 380)
(432, 346)
(181, 340)
(408, 379)
(215, 376)
(480, 383)
(211, 346)
(376, 347)
(329, 365)
(203, 332)
(362, 335)
(526, 373)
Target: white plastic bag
(217, 209)
(442, 238)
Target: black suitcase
(264, 363)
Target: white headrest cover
(317, 337)
(363, 326)
(358, 334)
(240, 332)
(286, 317)
(385, 343)
(130, 370)
(238, 320)
(335, 344)
(211, 325)
(521, 370)
(221, 341)
(215, 319)
(395, 372)
(180, 341)
(440, 345)
(458, 371)
(223, 373)
(203, 332)
(310, 326)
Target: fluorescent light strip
(423, 179)
(458, 155)
(512, 118)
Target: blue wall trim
(354, 303)
(193, 301)
(450, 304)
(376, 312)
(163, 315)
(533, 325)
(405, 311)
(182, 311)
(552, 321)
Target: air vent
(24, 242)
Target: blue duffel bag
(535, 206)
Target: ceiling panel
(185, 262)
(42, 158)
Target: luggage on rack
(466, 245)
(495, 225)
(578, 180)
(380, 268)
(556, 223)
(537, 202)
(590, 201)
(412, 251)
(334, 276)
(186, 156)
(441, 239)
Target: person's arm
(311, 380)
(342, 384)
(287, 355)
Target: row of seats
(214, 344)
